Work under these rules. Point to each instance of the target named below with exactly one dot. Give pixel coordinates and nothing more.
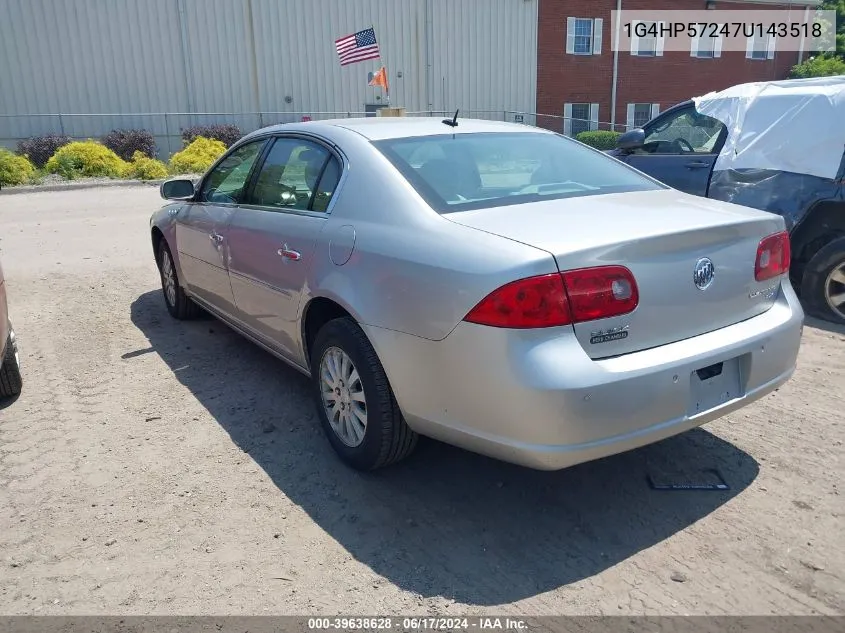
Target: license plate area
(714, 385)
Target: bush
(143, 167)
(125, 143)
(39, 149)
(818, 67)
(14, 169)
(226, 134)
(600, 139)
(89, 158)
(197, 157)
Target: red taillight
(528, 303)
(773, 256)
(559, 299)
(602, 292)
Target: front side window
(480, 170)
(297, 175)
(225, 183)
(684, 132)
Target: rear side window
(296, 175)
(474, 171)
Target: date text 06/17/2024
(409, 624)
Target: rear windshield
(478, 170)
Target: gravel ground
(50, 182)
(158, 467)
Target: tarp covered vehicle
(777, 146)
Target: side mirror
(177, 189)
(631, 140)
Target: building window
(580, 117)
(706, 47)
(760, 47)
(641, 113)
(647, 38)
(583, 36)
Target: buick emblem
(703, 273)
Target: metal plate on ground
(708, 479)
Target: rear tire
(356, 405)
(179, 305)
(11, 381)
(823, 284)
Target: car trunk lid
(662, 237)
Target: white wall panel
(245, 56)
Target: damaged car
(775, 146)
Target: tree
(826, 64)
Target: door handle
(697, 164)
(289, 253)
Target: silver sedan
(495, 286)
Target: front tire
(11, 381)
(179, 305)
(823, 285)
(356, 405)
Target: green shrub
(822, 66)
(88, 158)
(14, 169)
(143, 167)
(600, 139)
(197, 157)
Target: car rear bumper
(535, 398)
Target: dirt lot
(152, 466)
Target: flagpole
(384, 64)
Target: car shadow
(827, 326)
(445, 522)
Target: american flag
(358, 47)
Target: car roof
(786, 88)
(380, 128)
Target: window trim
(596, 26)
(659, 41)
(652, 115)
(592, 118)
(769, 51)
(332, 150)
(714, 53)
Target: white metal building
(252, 62)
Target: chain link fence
(166, 127)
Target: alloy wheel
(343, 396)
(834, 290)
(168, 278)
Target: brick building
(575, 63)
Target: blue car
(775, 146)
